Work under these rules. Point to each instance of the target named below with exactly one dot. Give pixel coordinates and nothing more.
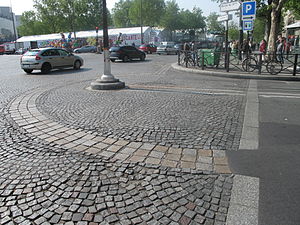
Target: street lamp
(141, 18)
(107, 80)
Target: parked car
(166, 49)
(20, 51)
(2, 49)
(87, 48)
(148, 48)
(46, 59)
(178, 47)
(126, 53)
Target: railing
(285, 64)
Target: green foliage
(213, 25)
(233, 31)
(191, 20)
(259, 30)
(31, 25)
(151, 11)
(171, 19)
(121, 13)
(294, 7)
(54, 16)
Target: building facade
(8, 31)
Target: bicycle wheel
(249, 64)
(274, 67)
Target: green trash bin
(211, 57)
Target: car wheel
(113, 60)
(46, 68)
(28, 71)
(77, 65)
(125, 58)
(142, 58)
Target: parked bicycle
(272, 65)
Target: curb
(235, 75)
(243, 207)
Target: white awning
(294, 25)
(84, 34)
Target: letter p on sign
(249, 9)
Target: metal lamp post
(107, 80)
(141, 18)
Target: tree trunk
(275, 20)
(267, 26)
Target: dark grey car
(126, 53)
(87, 48)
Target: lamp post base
(107, 85)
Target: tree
(213, 25)
(233, 31)
(192, 21)
(293, 6)
(30, 25)
(151, 11)
(55, 16)
(121, 13)
(276, 7)
(259, 29)
(170, 19)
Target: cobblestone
(58, 161)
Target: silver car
(46, 59)
(166, 49)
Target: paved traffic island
(237, 74)
(56, 173)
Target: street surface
(167, 149)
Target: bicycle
(189, 59)
(273, 66)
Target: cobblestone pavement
(58, 167)
(43, 183)
(169, 117)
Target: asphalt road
(275, 162)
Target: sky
(207, 6)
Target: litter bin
(211, 57)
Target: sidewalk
(237, 74)
(71, 173)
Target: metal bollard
(259, 63)
(202, 60)
(227, 58)
(295, 65)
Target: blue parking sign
(247, 25)
(249, 9)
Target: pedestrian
(245, 48)
(287, 48)
(186, 46)
(133, 44)
(280, 50)
(263, 48)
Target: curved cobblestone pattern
(42, 183)
(24, 113)
(167, 117)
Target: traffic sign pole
(241, 37)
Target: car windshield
(143, 46)
(31, 52)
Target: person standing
(280, 50)
(263, 48)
